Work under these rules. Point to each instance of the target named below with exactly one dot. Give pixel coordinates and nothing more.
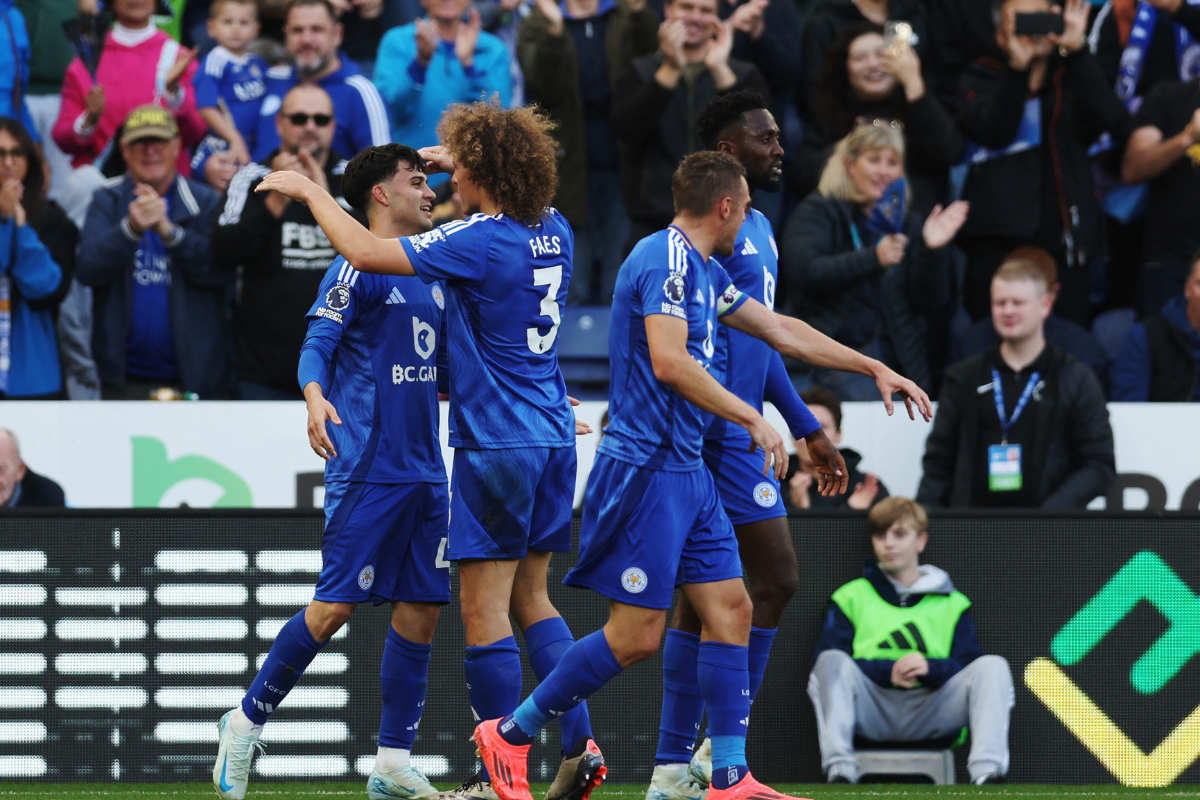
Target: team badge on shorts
(438, 297)
(366, 577)
(634, 580)
(765, 495)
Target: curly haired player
(506, 270)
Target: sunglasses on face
(300, 118)
(16, 153)
(895, 124)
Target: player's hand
(943, 224)
(320, 411)
(832, 475)
(289, 184)
(766, 437)
(437, 159)
(581, 428)
(908, 669)
(798, 489)
(890, 383)
(864, 493)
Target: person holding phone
(1031, 119)
(866, 77)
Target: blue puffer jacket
(197, 294)
(38, 258)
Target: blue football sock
(584, 668)
(761, 640)
(293, 650)
(546, 641)
(493, 680)
(724, 676)
(404, 676)
(682, 703)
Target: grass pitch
(617, 791)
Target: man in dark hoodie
(1160, 360)
(803, 494)
(277, 245)
(898, 659)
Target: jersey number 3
(550, 277)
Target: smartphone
(897, 35)
(1038, 23)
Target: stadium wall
(125, 635)
(233, 455)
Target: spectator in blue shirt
(37, 258)
(159, 303)
(1160, 360)
(230, 83)
(434, 61)
(313, 38)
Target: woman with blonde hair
(873, 278)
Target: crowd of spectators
(926, 142)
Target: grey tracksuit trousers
(847, 702)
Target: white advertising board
(231, 454)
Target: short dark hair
(723, 112)
(702, 179)
(328, 6)
(821, 396)
(373, 166)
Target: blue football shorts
(384, 543)
(507, 502)
(646, 531)
(746, 494)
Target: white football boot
(700, 770)
(474, 788)
(406, 782)
(674, 782)
(231, 773)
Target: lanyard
(998, 394)
(854, 235)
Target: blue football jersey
(649, 425)
(741, 360)
(378, 337)
(506, 285)
(239, 81)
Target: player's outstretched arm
(803, 342)
(365, 251)
(674, 366)
(320, 412)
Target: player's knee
(832, 665)
(772, 594)
(326, 619)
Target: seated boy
(898, 660)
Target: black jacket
(1073, 441)
(656, 128)
(820, 269)
(282, 262)
(1075, 340)
(827, 21)
(38, 491)
(1038, 193)
(197, 295)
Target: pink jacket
(131, 76)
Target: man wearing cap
(277, 247)
(158, 300)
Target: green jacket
(51, 52)
(551, 68)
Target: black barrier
(126, 635)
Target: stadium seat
(583, 347)
(937, 765)
(1111, 328)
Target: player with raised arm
(739, 123)
(369, 366)
(652, 517)
(506, 270)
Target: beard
(313, 67)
